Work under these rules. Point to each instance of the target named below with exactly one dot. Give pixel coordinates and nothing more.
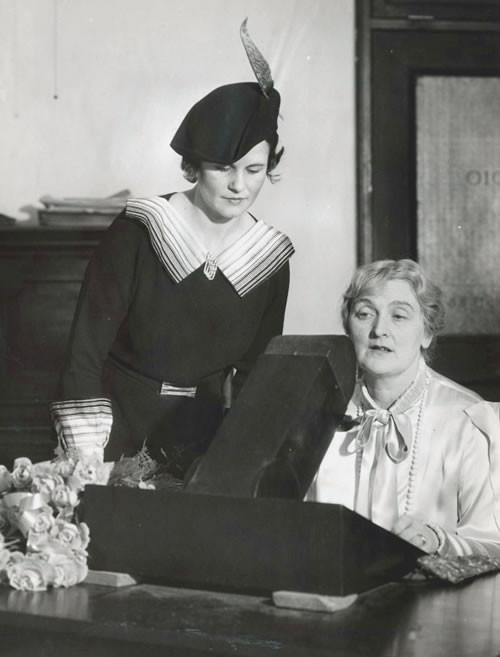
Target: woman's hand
(416, 532)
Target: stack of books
(81, 211)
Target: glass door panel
(458, 196)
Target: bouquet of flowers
(42, 542)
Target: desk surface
(402, 620)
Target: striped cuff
(82, 424)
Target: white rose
(29, 574)
(22, 473)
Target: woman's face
(226, 192)
(386, 326)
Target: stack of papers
(81, 211)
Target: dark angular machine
(240, 523)
(273, 440)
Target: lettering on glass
(458, 194)
(485, 177)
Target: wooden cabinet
(41, 270)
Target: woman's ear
(426, 340)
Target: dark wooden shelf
(41, 270)
(20, 236)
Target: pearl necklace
(413, 453)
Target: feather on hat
(229, 121)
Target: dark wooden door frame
(370, 27)
(386, 213)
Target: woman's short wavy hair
(429, 296)
(190, 169)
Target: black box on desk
(240, 523)
(275, 436)
(240, 544)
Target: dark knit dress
(158, 327)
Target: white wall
(125, 73)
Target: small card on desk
(312, 601)
(109, 578)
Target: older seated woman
(420, 456)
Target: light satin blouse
(433, 454)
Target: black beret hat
(228, 122)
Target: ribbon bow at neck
(384, 441)
(396, 432)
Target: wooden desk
(397, 620)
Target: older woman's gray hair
(429, 296)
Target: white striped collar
(246, 263)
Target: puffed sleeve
(82, 414)
(270, 325)
(478, 527)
